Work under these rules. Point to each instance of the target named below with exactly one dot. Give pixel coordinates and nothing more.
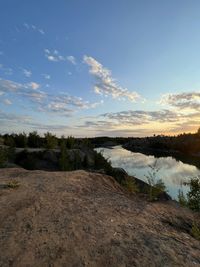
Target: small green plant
(195, 231)
(13, 184)
(156, 187)
(130, 185)
(182, 199)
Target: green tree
(64, 159)
(198, 132)
(3, 157)
(34, 139)
(194, 194)
(21, 140)
(50, 140)
(70, 142)
(9, 140)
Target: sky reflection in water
(174, 173)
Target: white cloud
(71, 59)
(41, 31)
(33, 85)
(25, 90)
(34, 28)
(5, 70)
(7, 102)
(26, 26)
(138, 117)
(56, 56)
(182, 101)
(62, 104)
(46, 76)
(105, 84)
(27, 73)
(52, 58)
(9, 86)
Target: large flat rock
(85, 219)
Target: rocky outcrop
(86, 219)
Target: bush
(194, 194)
(27, 160)
(3, 157)
(130, 185)
(50, 140)
(34, 139)
(21, 140)
(13, 184)
(155, 187)
(195, 231)
(64, 160)
(70, 142)
(182, 199)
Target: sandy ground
(85, 219)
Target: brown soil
(85, 219)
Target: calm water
(173, 173)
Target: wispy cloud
(33, 85)
(46, 76)
(55, 56)
(6, 70)
(27, 73)
(33, 28)
(13, 118)
(105, 83)
(189, 100)
(138, 117)
(71, 59)
(27, 90)
(7, 101)
(143, 122)
(60, 103)
(66, 105)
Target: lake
(172, 172)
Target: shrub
(13, 184)
(21, 140)
(70, 142)
(64, 160)
(192, 200)
(9, 140)
(182, 199)
(27, 160)
(77, 161)
(195, 231)
(3, 157)
(34, 139)
(155, 187)
(50, 140)
(130, 185)
(194, 194)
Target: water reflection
(174, 173)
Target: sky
(100, 68)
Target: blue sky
(91, 68)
